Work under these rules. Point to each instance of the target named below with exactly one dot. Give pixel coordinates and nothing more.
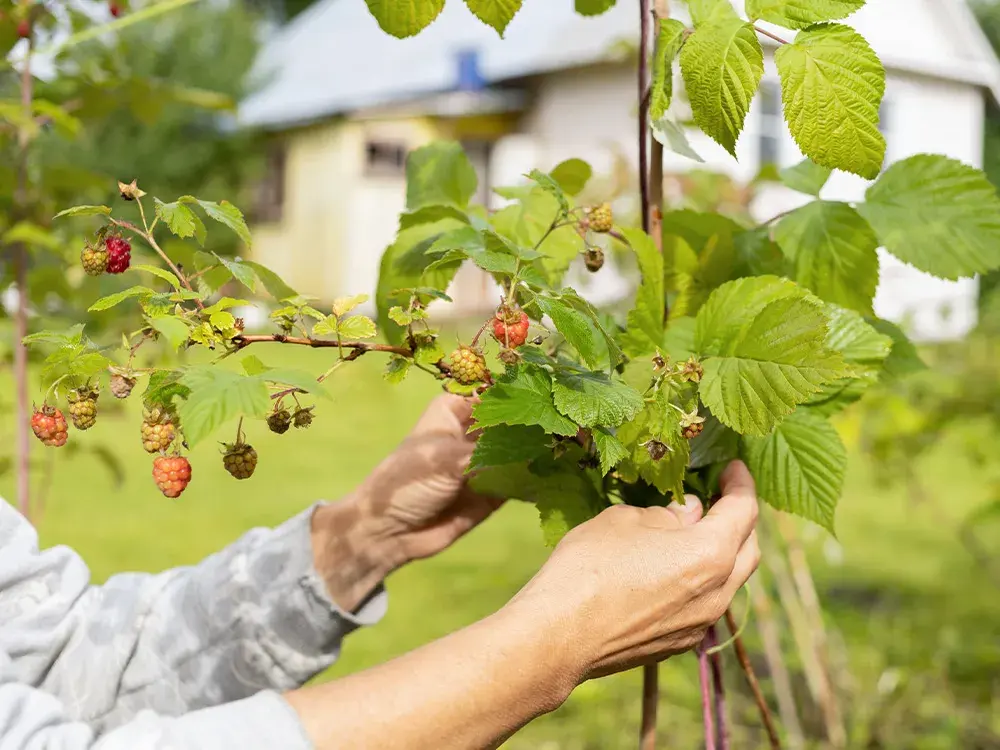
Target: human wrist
(352, 552)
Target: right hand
(634, 586)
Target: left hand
(416, 503)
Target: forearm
(471, 689)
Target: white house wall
(591, 112)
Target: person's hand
(415, 503)
(637, 585)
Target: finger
(690, 512)
(735, 513)
(444, 414)
(747, 561)
(737, 480)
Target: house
(345, 103)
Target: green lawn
(914, 611)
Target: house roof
(334, 58)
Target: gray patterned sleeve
(254, 617)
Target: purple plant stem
(715, 662)
(706, 695)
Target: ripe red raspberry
(94, 259)
(119, 254)
(468, 366)
(172, 474)
(83, 407)
(49, 426)
(157, 429)
(240, 459)
(601, 218)
(279, 421)
(510, 328)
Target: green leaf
(904, 359)
(509, 444)
(296, 378)
(430, 214)
(763, 342)
(227, 214)
(343, 305)
(594, 399)
(163, 387)
(403, 18)
(553, 188)
(84, 211)
(659, 421)
(578, 330)
(669, 41)
(705, 11)
(578, 303)
(936, 214)
(834, 252)
(252, 365)
(357, 327)
(181, 220)
(610, 450)
(271, 281)
(572, 175)
(678, 339)
(105, 303)
(396, 369)
(218, 396)
(806, 177)
(439, 173)
(832, 84)
(160, 273)
(495, 13)
(799, 468)
(523, 395)
(797, 14)
(173, 329)
(722, 64)
(224, 303)
(644, 332)
(222, 320)
(241, 271)
(594, 7)
(672, 136)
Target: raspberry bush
(742, 339)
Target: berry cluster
(112, 254)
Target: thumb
(690, 512)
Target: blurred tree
(988, 12)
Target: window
(771, 125)
(270, 198)
(385, 158)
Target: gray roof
(334, 58)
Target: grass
(918, 618)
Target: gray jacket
(190, 658)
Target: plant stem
(278, 338)
(718, 687)
(139, 16)
(744, 659)
(21, 285)
(768, 34)
(148, 238)
(706, 695)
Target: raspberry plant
(742, 340)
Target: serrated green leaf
(172, 329)
(181, 220)
(797, 14)
(508, 444)
(105, 303)
(225, 303)
(430, 214)
(610, 450)
(593, 399)
(936, 214)
(668, 44)
(722, 63)
(241, 271)
(832, 84)
(578, 330)
(904, 359)
(252, 365)
(73, 335)
(659, 421)
(578, 303)
(495, 13)
(403, 18)
(343, 305)
(218, 396)
(163, 387)
(160, 273)
(763, 340)
(806, 177)
(799, 468)
(594, 7)
(523, 395)
(834, 252)
(572, 175)
(222, 320)
(550, 186)
(396, 369)
(705, 11)
(296, 378)
(439, 174)
(671, 135)
(273, 283)
(357, 327)
(428, 355)
(399, 316)
(225, 213)
(678, 339)
(644, 333)
(84, 211)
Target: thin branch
(706, 696)
(362, 346)
(718, 687)
(21, 284)
(151, 241)
(768, 34)
(744, 659)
